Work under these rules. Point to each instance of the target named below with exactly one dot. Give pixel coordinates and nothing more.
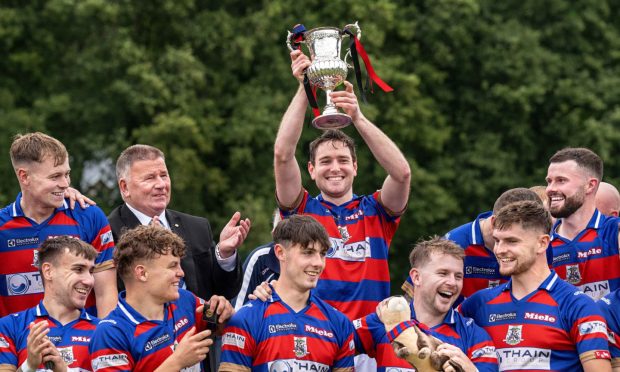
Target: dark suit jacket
(203, 275)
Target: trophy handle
(289, 40)
(355, 29)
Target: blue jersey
(554, 328)
(266, 336)
(610, 306)
(589, 261)
(70, 339)
(356, 276)
(126, 341)
(372, 339)
(481, 269)
(261, 265)
(20, 237)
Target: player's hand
(262, 291)
(299, 63)
(458, 359)
(222, 307)
(76, 196)
(53, 355)
(193, 348)
(233, 235)
(347, 101)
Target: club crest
(513, 336)
(301, 347)
(344, 234)
(573, 276)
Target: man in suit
(144, 184)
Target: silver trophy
(327, 70)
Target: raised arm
(287, 172)
(395, 190)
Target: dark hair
(145, 243)
(35, 147)
(53, 248)
(515, 195)
(421, 253)
(585, 158)
(530, 215)
(300, 229)
(336, 136)
(133, 154)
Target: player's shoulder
(92, 212)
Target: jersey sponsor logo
(84, 339)
(180, 323)
(357, 323)
(596, 290)
(484, 352)
(234, 339)
(398, 369)
(66, 353)
(573, 275)
(501, 317)
(300, 346)
(493, 283)
(355, 215)
(513, 335)
(524, 358)
(3, 342)
(475, 270)
(106, 238)
(285, 327)
(589, 252)
(24, 283)
(55, 339)
(18, 242)
(318, 331)
(594, 326)
(357, 251)
(542, 317)
(107, 321)
(560, 258)
(156, 342)
(294, 365)
(110, 360)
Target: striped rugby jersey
(70, 339)
(590, 261)
(270, 336)
(371, 338)
(554, 328)
(126, 341)
(356, 276)
(610, 306)
(481, 269)
(20, 237)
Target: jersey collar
(548, 284)
(450, 317)
(41, 311)
(133, 315)
(595, 222)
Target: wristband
(217, 252)
(26, 368)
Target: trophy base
(332, 121)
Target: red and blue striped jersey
(481, 269)
(590, 261)
(20, 237)
(554, 328)
(70, 339)
(610, 306)
(356, 276)
(127, 341)
(270, 336)
(371, 338)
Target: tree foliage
(485, 92)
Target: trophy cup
(327, 70)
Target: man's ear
(122, 186)
(415, 276)
(311, 170)
(592, 185)
(22, 175)
(140, 273)
(278, 249)
(543, 243)
(46, 270)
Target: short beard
(571, 205)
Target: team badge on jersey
(344, 233)
(493, 283)
(513, 336)
(573, 276)
(35, 259)
(66, 353)
(301, 347)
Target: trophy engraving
(327, 70)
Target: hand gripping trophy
(327, 70)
